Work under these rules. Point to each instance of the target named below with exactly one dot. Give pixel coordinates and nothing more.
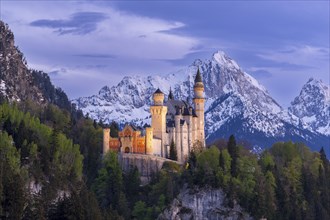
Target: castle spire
(198, 77)
(170, 95)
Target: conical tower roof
(158, 91)
(170, 95)
(198, 77)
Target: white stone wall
(157, 147)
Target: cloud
(296, 57)
(102, 56)
(261, 73)
(80, 23)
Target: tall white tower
(199, 107)
(158, 118)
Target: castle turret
(158, 118)
(178, 117)
(199, 107)
(149, 136)
(106, 139)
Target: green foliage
(139, 210)
(233, 151)
(89, 138)
(56, 151)
(288, 181)
(8, 153)
(67, 158)
(38, 154)
(12, 194)
(171, 167)
(114, 129)
(108, 186)
(208, 159)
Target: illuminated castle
(172, 121)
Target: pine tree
(173, 154)
(233, 151)
(221, 161)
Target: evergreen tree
(222, 161)
(114, 129)
(173, 153)
(233, 151)
(109, 183)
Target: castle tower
(199, 107)
(178, 145)
(106, 139)
(148, 141)
(158, 118)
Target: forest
(52, 167)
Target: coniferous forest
(51, 167)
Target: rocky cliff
(202, 204)
(18, 83)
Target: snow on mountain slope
(232, 97)
(311, 109)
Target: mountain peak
(312, 106)
(317, 84)
(220, 57)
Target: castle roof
(198, 77)
(172, 106)
(170, 123)
(158, 91)
(170, 95)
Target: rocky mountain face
(18, 83)
(235, 104)
(311, 109)
(202, 204)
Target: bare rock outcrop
(202, 204)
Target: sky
(85, 45)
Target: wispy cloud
(102, 56)
(296, 57)
(260, 73)
(79, 23)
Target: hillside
(18, 83)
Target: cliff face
(202, 204)
(146, 164)
(18, 83)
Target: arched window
(127, 150)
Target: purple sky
(85, 45)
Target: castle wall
(157, 147)
(146, 164)
(148, 141)
(184, 142)
(106, 137)
(114, 144)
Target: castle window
(127, 150)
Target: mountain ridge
(232, 96)
(19, 83)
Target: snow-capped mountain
(311, 109)
(235, 104)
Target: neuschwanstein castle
(173, 120)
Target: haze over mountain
(236, 103)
